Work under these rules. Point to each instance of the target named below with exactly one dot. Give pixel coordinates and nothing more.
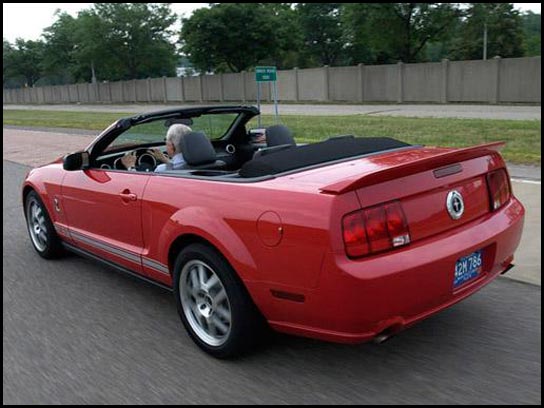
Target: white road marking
(526, 181)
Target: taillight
(499, 188)
(375, 229)
(355, 234)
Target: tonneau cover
(298, 157)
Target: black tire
(49, 247)
(199, 311)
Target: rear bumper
(357, 300)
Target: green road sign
(265, 74)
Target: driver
(174, 160)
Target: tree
(60, 45)
(136, 39)
(7, 61)
(399, 31)
(531, 33)
(322, 32)
(355, 20)
(114, 40)
(24, 61)
(236, 36)
(504, 31)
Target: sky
(27, 20)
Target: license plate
(467, 268)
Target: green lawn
(522, 137)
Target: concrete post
(200, 89)
(97, 92)
(400, 95)
(148, 82)
(326, 83)
(164, 98)
(361, 80)
(496, 72)
(221, 90)
(243, 86)
(297, 98)
(135, 91)
(182, 95)
(445, 73)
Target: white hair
(175, 135)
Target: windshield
(214, 126)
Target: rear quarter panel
(227, 214)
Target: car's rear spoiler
(416, 166)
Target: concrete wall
(287, 85)
(493, 81)
(192, 89)
(233, 87)
(380, 83)
(157, 89)
(116, 91)
(344, 84)
(312, 83)
(173, 89)
(129, 91)
(422, 82)
(471, 81)
(519, 80)
(142, 94)
(212, 87)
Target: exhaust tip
(507, 269)
(381, 338)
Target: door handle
(126, 195)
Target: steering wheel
(146, 161)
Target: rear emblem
(455, 204)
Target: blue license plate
(467, 268)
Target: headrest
(279, 135)
(197, 149)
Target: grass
(522, 137)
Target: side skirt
(113, 265)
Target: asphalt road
(452, 110)
(76, 332)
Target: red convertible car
(349, 239)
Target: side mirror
(76, 161)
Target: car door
(103, 211)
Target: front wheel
(42, 232)
(213, 304)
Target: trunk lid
(422, 180)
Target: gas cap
(270, 228)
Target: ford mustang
(349, 239)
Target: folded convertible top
(298, 157)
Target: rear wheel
(213, 304)
(43, 236)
